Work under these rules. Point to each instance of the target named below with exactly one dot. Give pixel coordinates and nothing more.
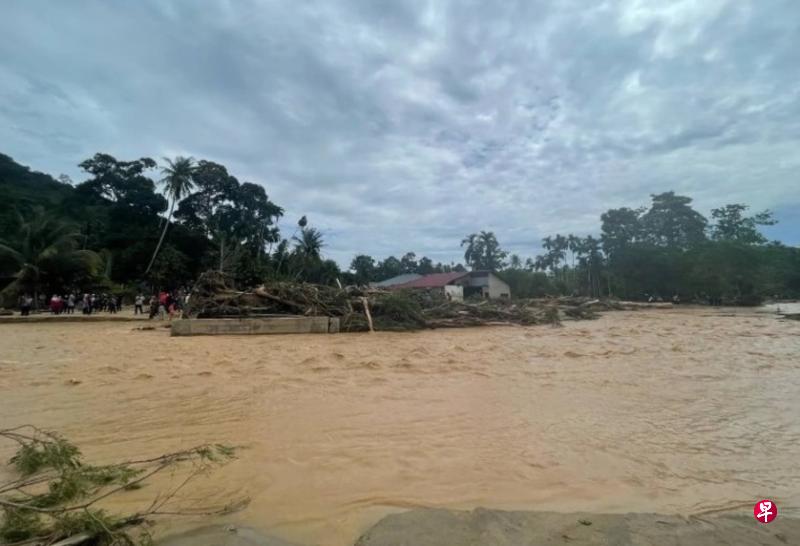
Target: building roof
(436, 280)
(399, 279)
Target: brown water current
(686, 411)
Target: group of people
(162, 305)
(655, 298)
(87, 304)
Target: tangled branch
(53, 500)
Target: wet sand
(691, 412)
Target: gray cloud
(405, 125)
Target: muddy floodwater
(681, 411)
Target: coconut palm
(309, 243)
(45, 249)
(307, 255)
(483, 251)
(177, 185)
(472, 253)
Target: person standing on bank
(25, 304)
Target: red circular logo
(765, 511)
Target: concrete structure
(454, 292)
(460, 285)
(399, 279)
(256, 326)
(488, 285)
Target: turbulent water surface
(682, 411)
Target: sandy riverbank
(687, 411)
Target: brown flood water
(681, 411)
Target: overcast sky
(405, 125)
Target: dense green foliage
(115, 231)
(670, 249)
(54, 493)
(365, 269)
(483, 252)
(42, 252)
(660, 251)
(109, 232)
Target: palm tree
(309, 244)
(573, 242)
(594, 260)
(561, 244)
(44, 247)
(177, 184)
(472, 253)
(307, 250)
(483, 251)
(493, 256)
(555, 254)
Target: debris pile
(363, 309)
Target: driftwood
(366, 309)
(365, 302)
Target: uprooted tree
(363, 308)
(55, 495)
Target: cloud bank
(405, 125)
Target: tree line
(114, 231)
(662, 250)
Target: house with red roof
(458, 285)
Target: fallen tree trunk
(361, 309)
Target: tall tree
(306, 258)
(239, 219)
(620, 228)
(556, 248)
(560, 247)
(178, 183)
(309, 243)
(425, 266)
(408, 263)
(472, 253)
(592, 260)
(124, 183)
(363, 268)
(483, 251)
(672, 222)
(731, 224)
(389, 267)
(117, 209)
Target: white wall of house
(491, 285)
(497, 288)
(454, 292)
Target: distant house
(399, 279)
(458, 285)
(488, 285)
